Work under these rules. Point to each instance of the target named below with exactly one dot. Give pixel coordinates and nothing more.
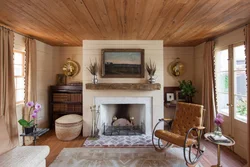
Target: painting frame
(121, 52)
(61, 79)
(170, 97)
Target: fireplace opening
(123, 119)
(122, 115)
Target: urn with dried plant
(151, 69)
(93, 68)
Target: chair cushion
(174, 138)
(187, 116)
(69, 119)
(25, 156)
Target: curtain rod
(7, 27)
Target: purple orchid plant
(34, 109)
(219, 119)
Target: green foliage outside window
(242, 107)
(226, 82)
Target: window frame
(23, 73)
(231, 76)
(216, 72)
(234, 95)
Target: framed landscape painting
(123, 63)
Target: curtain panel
(30, 74)
(7, 87)
(208, 86)
(247, 45)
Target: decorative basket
(68, 127)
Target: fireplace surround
(92, 51)
(141, 106)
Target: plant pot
(94, 80)
(189, 99)
(217, 131)
(151, 80)
(28, 130)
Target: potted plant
(151, 69)
(93, 68)
(218, 122)
(29, 125)
(187, 90)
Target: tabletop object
(230, 142)
(38, 132)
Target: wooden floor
(228, 158)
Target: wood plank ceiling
(177, 22)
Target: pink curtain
(208, 86)
(247, 45)
(7, 87)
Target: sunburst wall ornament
(176, 68)
(71, 68)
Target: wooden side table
(232, 142)
(38, 132)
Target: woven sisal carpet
(119, 157)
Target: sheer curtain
(208, 86)
(7, 89)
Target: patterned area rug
(119, 157)
(120, 141)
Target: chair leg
(194, 151)
(194, 154)
(159, 146)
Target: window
(19, 75)
(240, 82)
(222, 84)
(230, 75)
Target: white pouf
(68, 127)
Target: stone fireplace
(140, 108)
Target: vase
(28, 130)
(217, 131)
(94, 80)
(151, 79)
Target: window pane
(18, 70)
(222, 101)
(19, 83)
(18, 58)
(239, 58)
(240, 85)
(19, 95)
(222, 82)
(222, 60)
(15, 82)
(240, 107)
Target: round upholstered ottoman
(68, 127)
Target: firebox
(124, 119)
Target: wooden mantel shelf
(124, 86)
